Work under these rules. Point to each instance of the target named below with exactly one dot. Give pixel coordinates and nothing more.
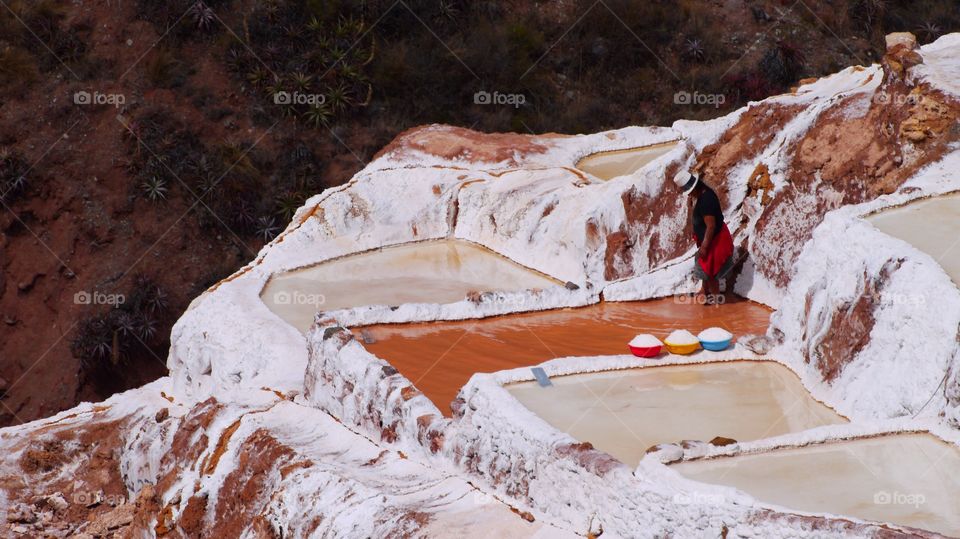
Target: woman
(715, 245)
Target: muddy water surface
(909, 479)
(426, 272)
(609, 165)
(625, 412)
(929, 225)
(439, 357)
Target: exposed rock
(162, 415)
(900, 56)
(118, 517)
(666, 453)
(758, 344)
(928, 117)
(721, 441)
(56, 502)
(22, 513)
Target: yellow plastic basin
(682, 349)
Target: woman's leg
(713, 291)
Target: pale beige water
(929, 225)
(627, 411)
(609, 165)
(908, 479)
(442, 271)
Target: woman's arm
(708, 235)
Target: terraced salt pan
(930, 225)
(609, 165)
(440, 357)
(625, 412)
(908, 479)
(427, 272)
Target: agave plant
(13, 179)
(154, 188)
(693, 50)
(267, 228)
(203, 17)
(318, 115)
(236, 59)
(145, 327)
(93, 342)
(257, 76)
(315, 25)
(121, 321)
(929, 30)
(287, 205)
(243, 215)
(348, 27)
(446, 10)
(338, 98)
(156, 301)
(301, 81)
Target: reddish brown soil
(76, 459)
(244, 490)
(439, 357)
(82, 226)
(850, 326)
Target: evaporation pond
(609, 165)
(907, 479)
(426, 272)
(440, 357)
(625, 412)
(930, 225)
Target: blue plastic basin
(715, 346)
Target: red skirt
(721, 249)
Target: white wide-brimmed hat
(686, 181)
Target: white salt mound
(682, 336)
(645, 340)
(715, 335)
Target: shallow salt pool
(930, 225)
(609, 165)
(442, 271)
(627, 411)
(907, 479)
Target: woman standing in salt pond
(714, 256)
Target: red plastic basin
(645, 351)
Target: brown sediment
(246, 489)
(439, 357)
(221, 448)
